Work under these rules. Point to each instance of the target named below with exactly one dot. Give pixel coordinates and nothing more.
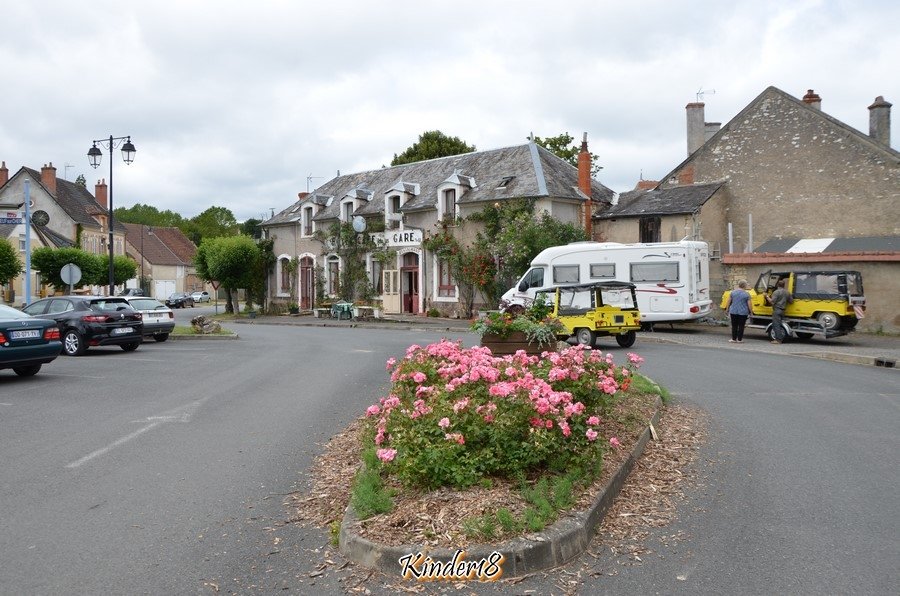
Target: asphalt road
(164, 471)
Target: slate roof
(756, 105)
(662, 201)
(522, 171)
(162, 246)
(76, 201)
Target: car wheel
(626, 340)
(130, 347)
(161, 337)
(829, 320)
(73, 343)
(27, 371)
(585, 336)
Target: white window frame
(390, 224)
(306, 222)
(436, 284)
(346, 215)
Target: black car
(85, 321)
(179, 300)
(26, 343)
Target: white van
(672, 278)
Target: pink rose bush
(456, 415)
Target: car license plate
(122, 330)
(25, 334)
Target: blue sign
(10, 220)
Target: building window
(334, 276)
(650, 229)
(393, 222)
(22, 242)
(448, 203)
(446, 287)
(285, 277)
(347, 211)
(375, 279)
(307, 221)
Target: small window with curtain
(449, 203)
(446, 287)
(603, 270)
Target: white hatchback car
(159, 320)
(200, 296)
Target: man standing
(780, 299)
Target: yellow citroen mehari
(601, 309)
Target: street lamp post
(95, 156)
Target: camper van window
(654, 272)
(565, 274)
(603, 270)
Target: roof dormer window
(347, 209)
(392, 214)
(448, 204)
(505, 182)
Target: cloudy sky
(245, 104)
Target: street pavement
(855, 348)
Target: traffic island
(560, 543)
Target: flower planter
(516, 340)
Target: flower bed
(456, 417)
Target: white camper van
(672, 278)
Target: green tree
(50, 261)
(214, 222)
(124, 268)
(561, 145)
(149, 215)
(10, 266)
(231, 261)
(250, 227)
(432, 144)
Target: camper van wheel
(626, 340)
(585, 336)
(829, 320)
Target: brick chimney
(302, 195)
(880, 121)
(696, 127)
(584, 185)
(4, 174)
(100, 193)
(48, 178)
(812, 99)
(686, 175)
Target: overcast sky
(245, 104)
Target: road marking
(180, 414)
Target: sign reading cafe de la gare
(408, 237)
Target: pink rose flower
(593, 420)
(386, 455)
(444, 422)
(373, 410)
(614, 442)
(591, 434)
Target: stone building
(409, 201)
(783, 171)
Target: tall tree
(250, 227)
(232, 261)
(149, 215)
(10, 265)
(432, 144)
(562, 146)
(214, 222)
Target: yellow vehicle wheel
(626, 340)
(829, 320)
(585, 336)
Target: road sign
(70, 274)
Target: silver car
(159, 320)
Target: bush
(456, 416)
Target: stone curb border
(555, 546)
(202, 337)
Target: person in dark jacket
(738, 308)
(780, 299)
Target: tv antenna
(310, 179)
(66, 170)
(703, 91)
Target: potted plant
(294, 308)
(532, 330)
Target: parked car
(26, 342)
(179, 300)
(200, 297)
(132, 292)
(159, 320)
(85, 321)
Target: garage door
(163, 288)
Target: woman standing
(739, 309)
